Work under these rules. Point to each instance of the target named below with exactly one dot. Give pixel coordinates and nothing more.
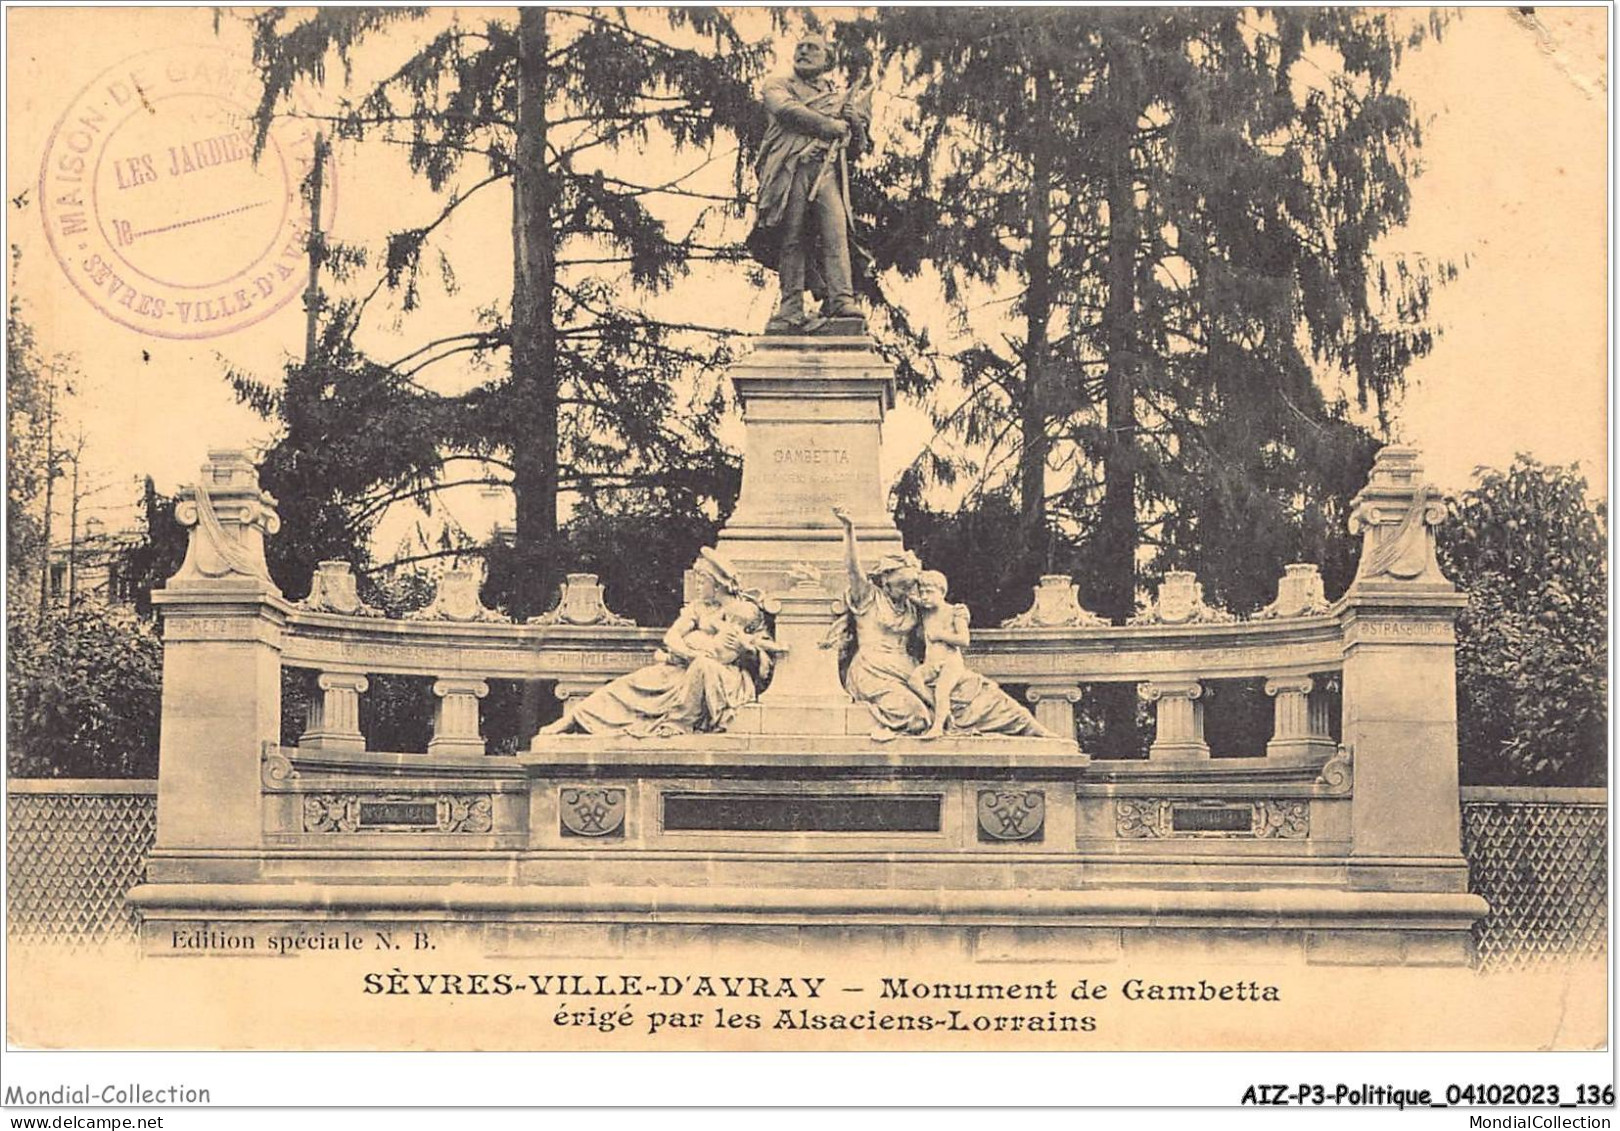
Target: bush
(84, 693)
(1528, 548)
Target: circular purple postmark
(157, 209)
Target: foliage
(641, 546)
(149, 563)
(356, 438)
(25, 447)
(83, 692)
(1177, 211)
(596, 392)
(1529, 549)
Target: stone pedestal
(222, 625)
(1400, 688)
(813, 410)
(804, 696)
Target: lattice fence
(1538, 857)
(74, 849)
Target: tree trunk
(50, 490)
(534, 336)
(1037, 312)
(1117, 531)
(1116, 591)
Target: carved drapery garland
(198, 510)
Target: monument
(821, 746)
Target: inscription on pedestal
(1154, 818)
(361, 813)
(801, 813)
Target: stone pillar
(813, 410)
(1300, 727)
(1054, 706)
(1179, 711)
(334, 716)
(804, 696)
(222, 625)
(1400, 687)
(455, 719)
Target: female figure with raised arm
(714, 656)
(882, 619)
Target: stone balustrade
(1172, 651)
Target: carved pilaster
(455, 718)
(1179, 714)
(333, 721)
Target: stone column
(222, 625)
(334, 716)
(1400, 687)
(1054, 706)
(1300, 727)
(1179, 711)
(455, 719)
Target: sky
(1514, 191)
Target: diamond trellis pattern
(1543, 868)
(1541, 865)
(70, 860)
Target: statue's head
(931, 588)
(896, 574)
(812, 55)
(716, 575)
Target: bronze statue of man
(802, 228)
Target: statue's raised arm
(858, 584)
(803, 203)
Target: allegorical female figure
(878, 637)
(715, 655)
(882, 641)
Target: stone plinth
(222, 634)
(1400, 687)
(813, 410)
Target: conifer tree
(1183, 206)
(596, 394)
